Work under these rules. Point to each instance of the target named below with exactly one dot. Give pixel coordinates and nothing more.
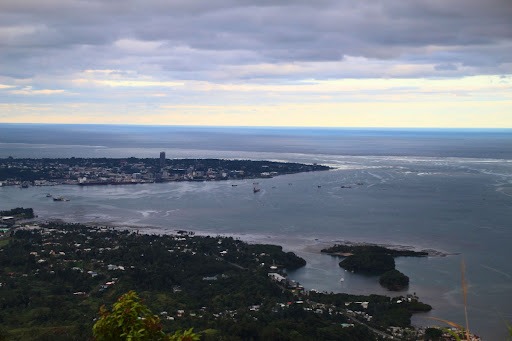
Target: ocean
(448, 190)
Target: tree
(394, 280)
(370, 263)
(433, 334)
(130, 319)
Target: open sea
(448, 190)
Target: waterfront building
(162, 159)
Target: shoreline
(314, 245)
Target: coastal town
(205, 282)
(129, 171)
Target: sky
(321, 63)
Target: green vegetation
(386, 312)
(368, 263)
(19, 213)
(374, 260)
(394, 280)
(55, 279)
(130, 319)
(433, 334)
(339, 249)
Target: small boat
(234, 185)
(255, 189)
(60, 199)
(319, 186)
(342, 279)
(48, 195)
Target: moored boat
(60, 199)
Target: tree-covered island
(374, 260)
(345, 250)
(55, 276)
(394, 280)
(116, 171)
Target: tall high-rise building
(162, 159)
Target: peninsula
(127, 171)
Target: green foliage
(356, 333)
(268, 254)
(131, 320)
(394, 280)
(128, 320)
(4, 334)
(455, 335)
(19, 212)
(186, 335)
(433, 334)
(53, 295)
(509, 330)
(4, 242)
(370, 263)
(390, 316)
(370, 248)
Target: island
(348, 249)
(368, 263)
(373, 259)
(55, 276)
(394, 280)
(130, 171)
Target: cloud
(129, 83)
(248, 51)
(28, 91)
(273, 33)
(137, 46)
(117, 78)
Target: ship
(255, 188)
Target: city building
(162, 159)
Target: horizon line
(259, 127)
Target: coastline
(309, 245)
(308, 249)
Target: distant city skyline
(424, 64)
